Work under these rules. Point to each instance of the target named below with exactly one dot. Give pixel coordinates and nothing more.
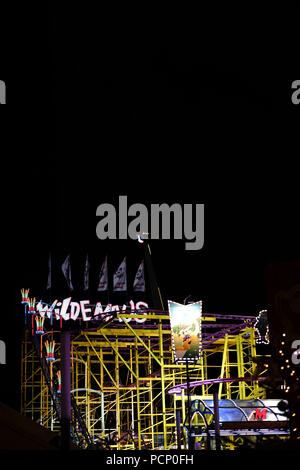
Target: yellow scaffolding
(120, 377)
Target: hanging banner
(66, 269)
(139, 281)
(120, 278)
(103, 278)
(186, 330)
(86, 274)
(49, 273)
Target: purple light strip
(176, 390)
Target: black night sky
(158, 117)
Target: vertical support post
(254, 365)
(32, 383)
(205, 372)
(65, 390)
(191, 439)
(240, 361)
(138, 394)
(51, 376)
(163, 388)
(87, 379)
(52, 413)
(151, 395)
(178, 428)
(215, 388)
(183, 418)
(132, 393)
(227, 373)
(102, 396)
(118, 422)
(23, 376)
(51, 401)
(224, 358)
(102, 414)
(41, 398)
(202, 372)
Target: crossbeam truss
(121, 374)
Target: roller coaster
(128, 393)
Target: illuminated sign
(69, 310)
(262, 328)
(260, 414)
(186, 330)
